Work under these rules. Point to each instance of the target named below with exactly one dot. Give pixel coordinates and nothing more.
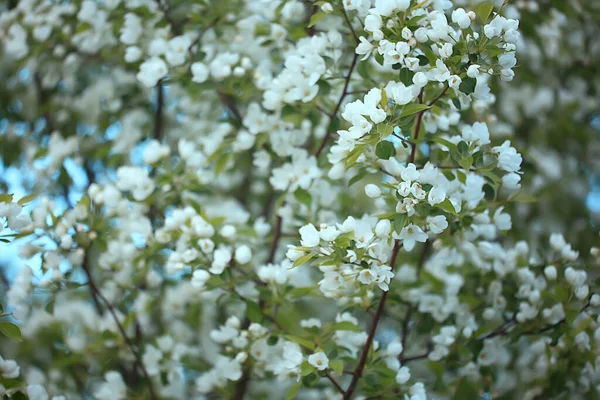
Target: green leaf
(413, 108)
(357, 177)
(11, 331)
(253, 311)
(451, 146)
(307, 344)
(406, 76)
(456, 103)
(293, 391)
(346, 326)
(465, 390)
(523, 198)
(302, 260)
(483, 11)
(400, 222)
(467, 86)
(316, 18)
(303, 197)
(6, 198)
(26, 199)
(306, 369)
(221, 163)
(353, 156)
(385, 150)
(447, 206)
(466, 162)
(337, 366)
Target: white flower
(177, 50)
(311, 322)
(473, 71)
(319, 360)
(461, 17)
(155, 151)
(364, 47)
(437, 224)
(113, 389)
(436, 195)
(446, 50)
(477, 133)
(133, 54)
(9, 368)
(243, 254)
(411, 234)
(410, 173)
(37, 392)
(199, 278)
(367, 276)
(199, 72)
(508, 158)
(399, 94)
(372, 191)
(403, 375)
(328, 233)
(309, 236)
(550, 272)
(151, 71)
(511, 181)
(420, 79)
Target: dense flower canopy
(354, 199)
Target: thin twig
(356, 39)
(158, 115)
(411, 308)
(126, 338)
(413, 151)
(337, 107)
(275, 241)
(337, 385)
(365, 351)
(414, 358)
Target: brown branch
(275, 241)
(504, 329)
(86, 268)
(338, 105)
(242, 385)
(42, 99)
(200, 35)
(404, 360)
(230, 105)
(166, 9)
(158, 115)
(413, 151)
(128, 342)
(356, 39)
(411, 308)
(432, 102)
(365, 351)
(337, 385)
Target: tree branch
(365, 351)
(413, 151)
(337, 107)
(128, 342)
(158, 115)
(411, 308)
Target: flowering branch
(357, 374)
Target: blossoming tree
(299, 199)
